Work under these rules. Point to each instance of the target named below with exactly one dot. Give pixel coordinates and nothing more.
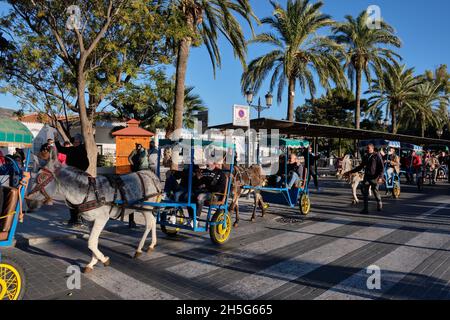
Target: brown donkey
(252, 176)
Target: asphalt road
(283, 256)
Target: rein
(43, 180)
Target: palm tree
(154, 106)
(428, 100)
(396, 90)
(366, 49)
(165, 104)
(441, 77)
(203, 21)
(298, 53)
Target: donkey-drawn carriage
(13, 186)
(173, 214)
(391, 163)
(298, 194)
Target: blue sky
(423, 26)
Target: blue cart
(299, 193)
(12, 134)
(172, 216)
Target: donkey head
(42, 189)
(344, 166)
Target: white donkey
(95, 200)
(354, 179)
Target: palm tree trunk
(394, 119)
(182, 63)
(358, 98)
(291, 98)
(422, 125)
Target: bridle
(42, 181)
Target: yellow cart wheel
(12, 280)
(396, 191)
(179, 220)
(304, 204)
(220, 233)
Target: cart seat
(219, 199)
(8, 201)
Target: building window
(100, 149)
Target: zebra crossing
(325, 257)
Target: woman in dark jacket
(76, 154)
(76, 157)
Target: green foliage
(299, 52)
(153, 103)
(43, 66)
(366, 48)
(394, 91)
(334, 108)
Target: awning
(381, 143)
(301, 129)
(14, 134)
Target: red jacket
(417, 162)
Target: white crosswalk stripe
(394, 267)
(109, 278)
(202, 266)
(271, 278)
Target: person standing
(372, 164)
(138, 159)
(76, 156)
(310, 163)
(153, 157)
(432, 165)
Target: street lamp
(440, 132)
(269, 101)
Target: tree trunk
(182, 63)
(61, 131)
(358, 98)
(422, 125)
(87, 129)
(291, 98)
(394, 119)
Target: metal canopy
(302, 129)
(14, 134)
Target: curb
(33, 241)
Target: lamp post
(439, 132)
(259, 108)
